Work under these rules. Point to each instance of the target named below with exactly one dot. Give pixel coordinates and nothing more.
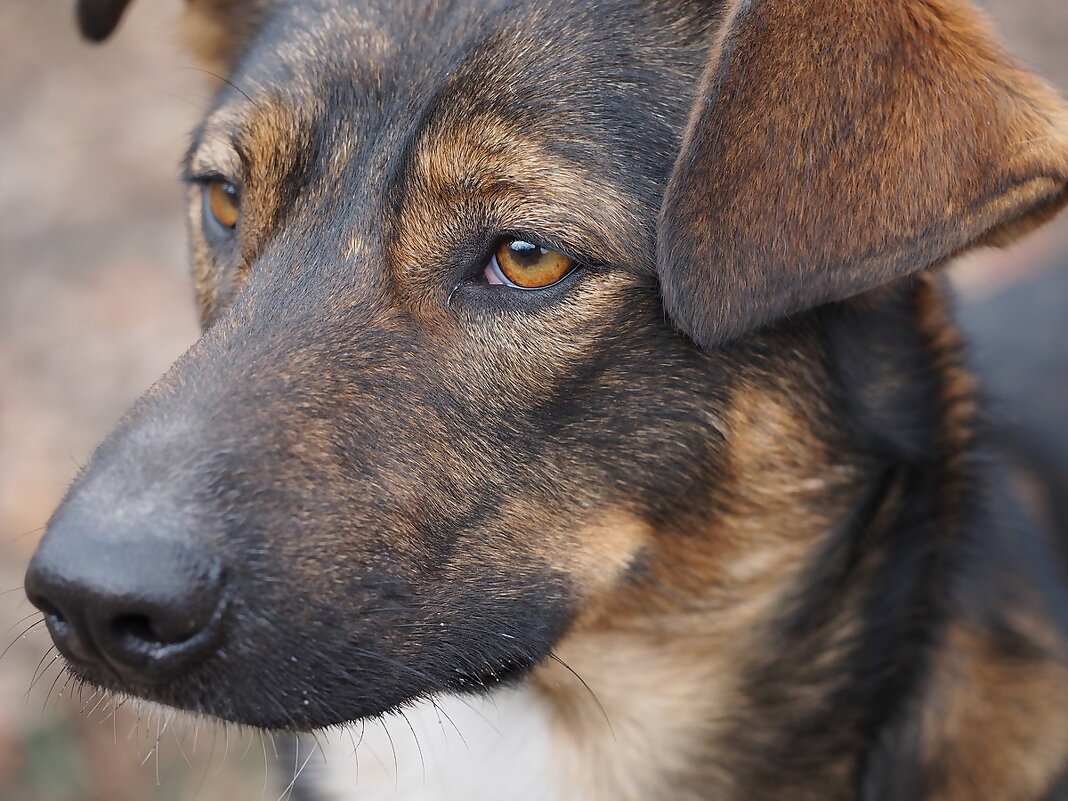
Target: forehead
(602, 82)
(397, 46)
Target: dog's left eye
(222, 203)
(524, 265)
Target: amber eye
(223, 201)
(527, 266)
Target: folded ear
(215, 30)
(97, 19)
(837, 144)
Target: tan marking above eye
(529, 266)
(224, 202)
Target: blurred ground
(95, 304)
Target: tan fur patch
(662, 656)
(958, 391)
(997, 726)
(254, 146)
(488, 167)
(642, 724)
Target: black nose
(146, 610)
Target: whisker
(181, 749)
(25, 631)
(251, 739)
(148, 756)
(363, 731)
(263, 793)
(136, 727)
(112, 715)
(297, 773)
(62, 690)
(427, 678)
(103, 698)
(171, 716)
(225, 80)
(48, 667)
(86, 704)
(589, 689)
(374, 753)
(396, 763)
(211, 757)
(448, 717)
(226, 747)
(79, 465)
(37, 677)
(55, 681)
(23, 535)
(418, 746)
(110, 700)
(296, 760)
(356, 756)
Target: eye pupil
(529, 266)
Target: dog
(577, 379)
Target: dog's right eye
(221, 205)
(525, 265)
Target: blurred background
(95, 304)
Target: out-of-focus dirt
(95, 304)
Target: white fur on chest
(447, 749)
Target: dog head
(492, 298)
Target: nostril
(68, 634)
(137, 628)
(154, 644)
(151, 631)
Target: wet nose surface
(146, 610)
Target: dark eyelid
(204, 178)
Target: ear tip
(97, 19)
(696, 312)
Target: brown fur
(913, 124)
(995, 727)
(762, 543)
